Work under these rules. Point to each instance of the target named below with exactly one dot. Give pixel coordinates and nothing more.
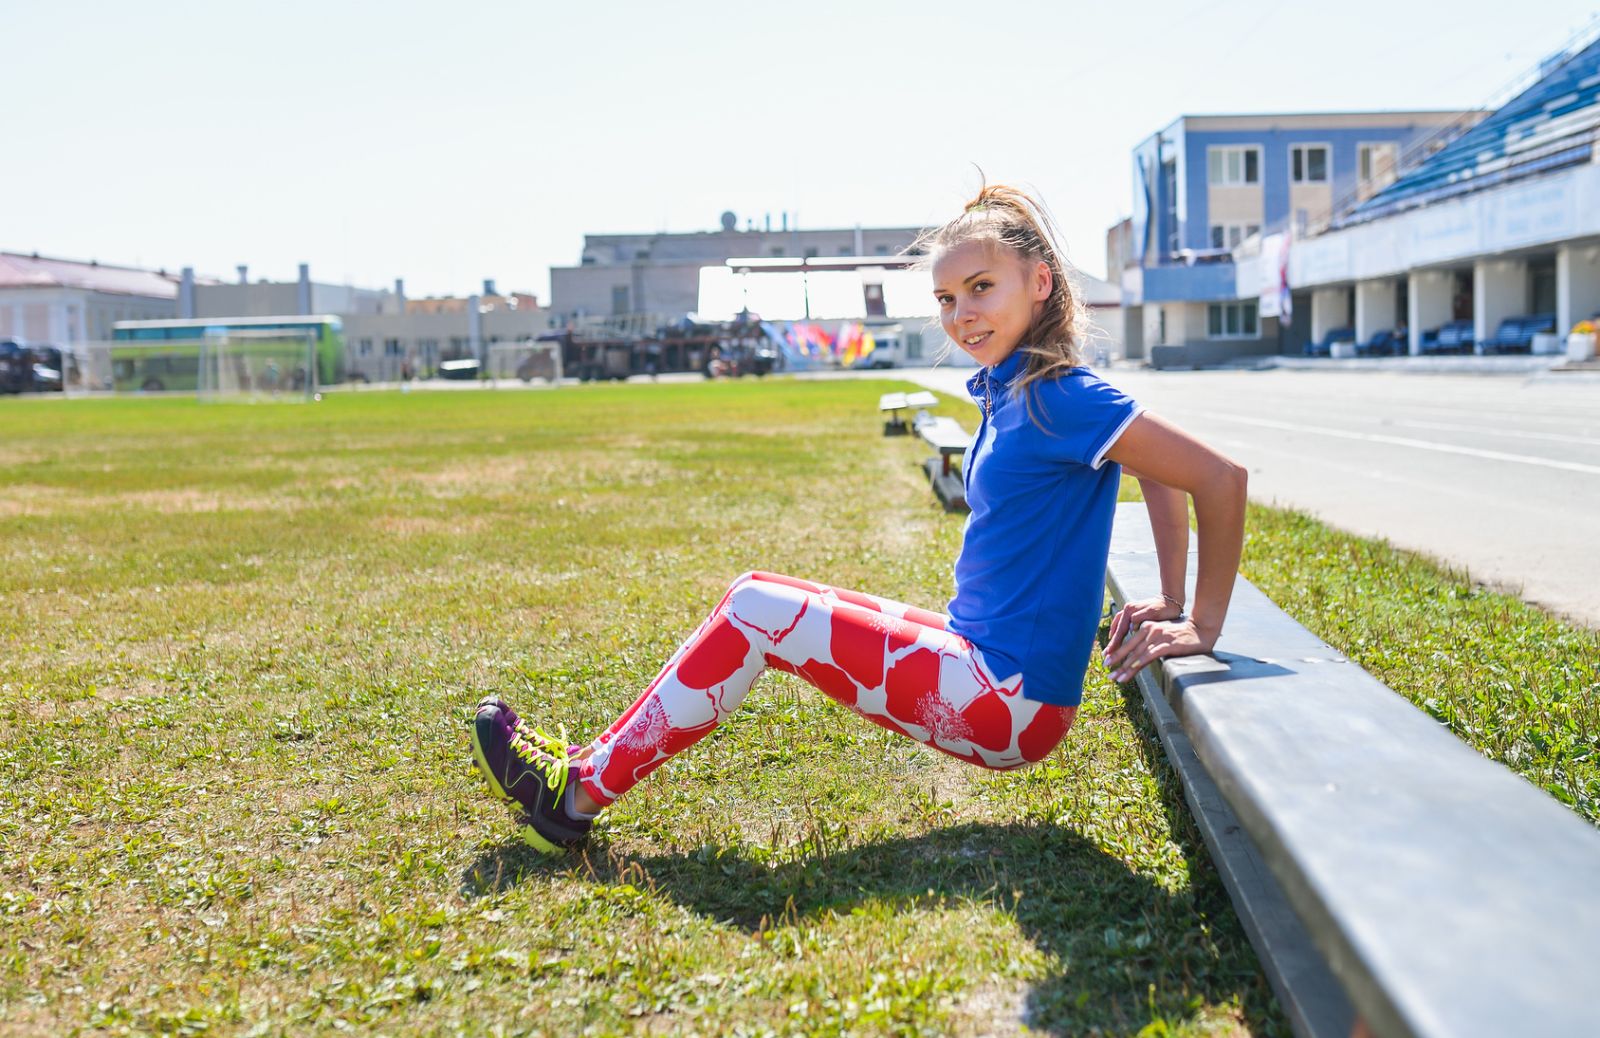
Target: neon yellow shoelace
(545, 753)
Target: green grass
(241, 645)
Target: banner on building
(1274, 297)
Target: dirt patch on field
(431, 526)
(34, 500)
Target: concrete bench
(947, 437)
(894, 403)
(1384, 870)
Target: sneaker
(518, 725)
(527, 771)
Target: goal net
(257, 365)
(237, 365)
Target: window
(619, 299)
(777, 250)
(1308, 164)
(811, 250)
(1169, 194)
(1233, 166)
(880, 250)
(366, 347)
(391, 347)
(1231, 321)
(1376, 164)
(1229, 235)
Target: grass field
(242, 644)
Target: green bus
(165, 355)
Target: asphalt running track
(1496, 473)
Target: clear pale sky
(449, 142)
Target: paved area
(1497, 473)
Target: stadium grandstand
(1550, 125)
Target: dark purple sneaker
(518, 725)
(527, 772)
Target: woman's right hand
(1134, 613)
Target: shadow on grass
(1127, 952)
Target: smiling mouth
(973, 340)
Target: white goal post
(276, 364)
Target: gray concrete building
(660, 273)
(264, 298)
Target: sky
(449, 143)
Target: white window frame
(1222, 152)
(1234, 315)
(1365, 148)
(1232, 233)
(1327, 162)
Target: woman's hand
(1137, 612)
(1140, 635)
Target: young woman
(998, 680)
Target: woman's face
(988, 298)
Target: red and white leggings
(894, 664)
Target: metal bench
(1383, 870)
(947, 437)
(894, 403)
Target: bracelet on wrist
(1173, 601)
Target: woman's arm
(1164, 454)
(1169, 523)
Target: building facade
(65, 303)
(1205, 185)
(1501, 225)
(660, 273)
(387, 336)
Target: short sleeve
(1081, 417)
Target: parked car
(49, 369)
(464, 369)
(16, 367)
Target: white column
(1499, 290)
(1428, 303)
(58, 324)
(1330, 309)
(1577, 284)
(1374, 307)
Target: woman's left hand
(1135, 642)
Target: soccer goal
(525, 360)
(250, 364)
(245, 365)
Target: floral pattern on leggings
(896, 665)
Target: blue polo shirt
(1030, 579)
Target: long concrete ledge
(1362, 843)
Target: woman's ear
(1044, 281)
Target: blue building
(1205, 184)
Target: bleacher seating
(1324, 346)
(1515, 334)
(1551, 124)
(1451, 337)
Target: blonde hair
(1006, 217)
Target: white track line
(1403, 441)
